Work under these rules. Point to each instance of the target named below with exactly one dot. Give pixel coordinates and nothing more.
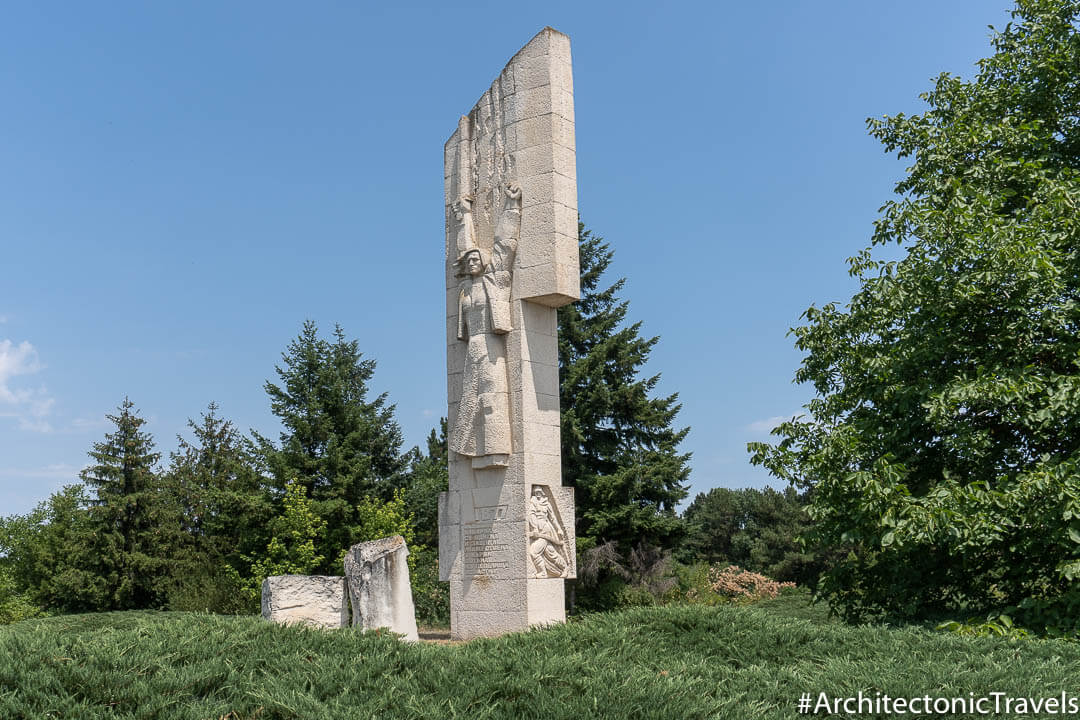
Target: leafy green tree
(619, 446)
(15, 605)
(428, 476)
(293, 538)
(943, 444)
(49, 556)
(225, 510)
(380, 519)
(338, 444)
(134, 521)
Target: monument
(506, 524)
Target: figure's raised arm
(508, 229)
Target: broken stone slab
(317, 600)
(378, 580)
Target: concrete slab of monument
(317, 600)
(378, 581)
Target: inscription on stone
(483, 553)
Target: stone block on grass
(317, 600)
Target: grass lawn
(664, 663)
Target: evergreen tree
(134, 522)
(436, 444)
(428, 476)
(340, 446)
(225, 512)
(619, 449)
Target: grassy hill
(664, 663)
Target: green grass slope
(674, 662)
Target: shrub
(14, 606)
(743, 585)
(694, 585)
(608, 581)
(431, 597)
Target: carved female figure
(482, 428)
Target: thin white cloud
(81, 424)
(30, 406)
(35, 425)
(427, 412)
(56, 471)
(766, 426)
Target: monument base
(471, 615)
(504, 574)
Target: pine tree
(757, 530)
(339, 445)
(134, 522)
(619, 449)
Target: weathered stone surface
(378, 575)
(511, 259)
(317, 600)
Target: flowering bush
(734, 582)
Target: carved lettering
(483, 554)
(489, 513)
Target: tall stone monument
(506, 525)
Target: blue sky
(183, 184)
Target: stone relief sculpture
(466, 231)
(482, 428)
(547, 539)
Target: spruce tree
(619, 446)
(225, 510)
(134, 523)
(339, 445)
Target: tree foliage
(619, 446)
(338, 444)
(217, 483)
(134, 525)
(293, 536)
(944, 440)
(428, 476)
(49, 553)
(755, 529)
(224, 512)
